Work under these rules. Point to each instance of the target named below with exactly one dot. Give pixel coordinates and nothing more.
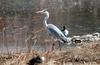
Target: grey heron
(52, 29)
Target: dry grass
(16, 59)
(88, 54)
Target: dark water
(19, 23)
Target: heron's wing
(56, 31)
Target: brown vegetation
(88, 54)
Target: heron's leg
(59, 45)
(51, 45)
(55, 40)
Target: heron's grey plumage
(52, 29)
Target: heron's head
(44, 12)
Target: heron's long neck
(45, 21)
